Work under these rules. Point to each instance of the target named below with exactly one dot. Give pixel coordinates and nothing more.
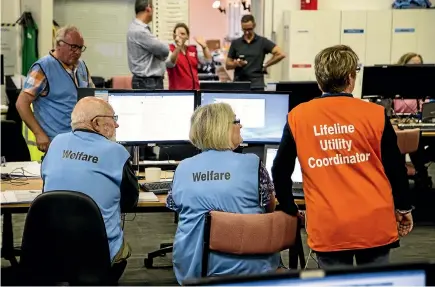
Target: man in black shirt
(246, 55)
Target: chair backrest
(247, 234)
(64, 241)
(99, 82)
(408, 140)
(122, 82)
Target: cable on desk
(18, 176)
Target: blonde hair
(333, 66)
(407, 57)
(62, 32)
(210, 126)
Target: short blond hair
(210, 127)
(407, 57)
(333, 66)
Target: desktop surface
(262, 114)
(152, 116)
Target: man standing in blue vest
(89, 160)
(51, 86)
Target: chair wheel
(148, 262)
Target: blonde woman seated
(217, 179)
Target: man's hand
(404, 223)
(200, 41)
(42, 142)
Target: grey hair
(62, 32)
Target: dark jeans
(373, 256)
(149, 83)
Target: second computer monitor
(146, 117)
(269, 157)
(262, 114)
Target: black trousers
(147, 83)
(372, 256)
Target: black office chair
(64, 242)
(99, 82)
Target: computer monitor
(95, 92)
(262, 114)
(151, 117)
(224, 86)
(391, 275)
(300, 91)
(270, 154)
(390, 81)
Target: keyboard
(427, 127)
(157, 188)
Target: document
(19, 196)
(147, 197)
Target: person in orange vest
(355, 184)
(182, 62)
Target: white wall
(104, 25)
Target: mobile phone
(242, 57)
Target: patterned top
(265, 190)
(36, 83)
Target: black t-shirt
(254, 53)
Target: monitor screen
(270, 156)
(262, 114)
(152, 116)
(392, 278)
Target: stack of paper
(19, 196)
(147, 197)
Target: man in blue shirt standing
(51, 86)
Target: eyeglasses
(114, 117)
(236, 122)
(74, 48)
(358, 68)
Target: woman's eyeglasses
(236, 122)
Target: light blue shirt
(222, 181)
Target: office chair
(237, 234)
(64, 241)
(99, 82)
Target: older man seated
(89, 161)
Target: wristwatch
(405, 211)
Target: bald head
(87, 109)
(96, 115)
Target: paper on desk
(22, 169)
(147, 197)
(19, 196)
